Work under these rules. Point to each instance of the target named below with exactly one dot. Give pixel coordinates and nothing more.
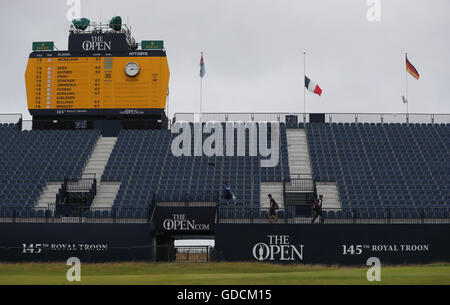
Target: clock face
(132, 69)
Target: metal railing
(294, 214)
(85, 186)
(175, 204)
(347, 215)
(384, 118)
(299, 185)
(51, 214)
(12, 120)
(192, 254)
(73, 124)
(81, 185)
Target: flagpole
(304, 88)
(406, 85)
(167, 103)
(201, 98)
(201, 95)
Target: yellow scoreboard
(62, 83)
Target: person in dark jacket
(315, 190)
(227, 193)
(273, 209)
(317, 209)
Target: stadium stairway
(330, 193)
(106, 191)
(48, 195)
(106, 194)
(274, 188)
(301, 182)
(99, 158)
(298, 154)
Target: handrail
(384, 118)
(298, 185)
(237, 214)
(346, 215)
(153, 212)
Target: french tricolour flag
(312, 87)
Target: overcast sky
(254, 51)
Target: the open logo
(278, 248)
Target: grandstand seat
(263, 214)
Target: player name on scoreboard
(67, 79)
(76, 82)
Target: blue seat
(264, 214)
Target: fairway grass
(219, 274)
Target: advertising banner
(351, 244)
(98, 42)
(88, 242)
(185, 220)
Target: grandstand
(370, 173)
(367, 163)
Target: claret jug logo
(278, 248)
(214, 144)
(179, 222)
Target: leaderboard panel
(90, 84)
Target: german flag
(411, 70)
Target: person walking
(317, 209)
(227, 193)
(272, 209)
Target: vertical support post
(201, 99)
(406, 86)
(304, 88)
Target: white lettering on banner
(41, 247)
(178, 222)
(96, 44)
(278, 248)
(360, 249)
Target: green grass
(219, 273)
